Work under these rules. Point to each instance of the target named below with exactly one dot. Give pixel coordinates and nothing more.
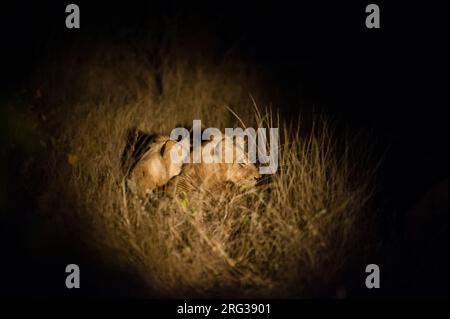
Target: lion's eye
(242, 164)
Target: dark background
(391, 82)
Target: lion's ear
(174, 155)
(181, 150)
(175, 151)
(163, 149)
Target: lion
(210, 175)
(153, 166)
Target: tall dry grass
(294, 236)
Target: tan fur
(154, 170)
(207, 176)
